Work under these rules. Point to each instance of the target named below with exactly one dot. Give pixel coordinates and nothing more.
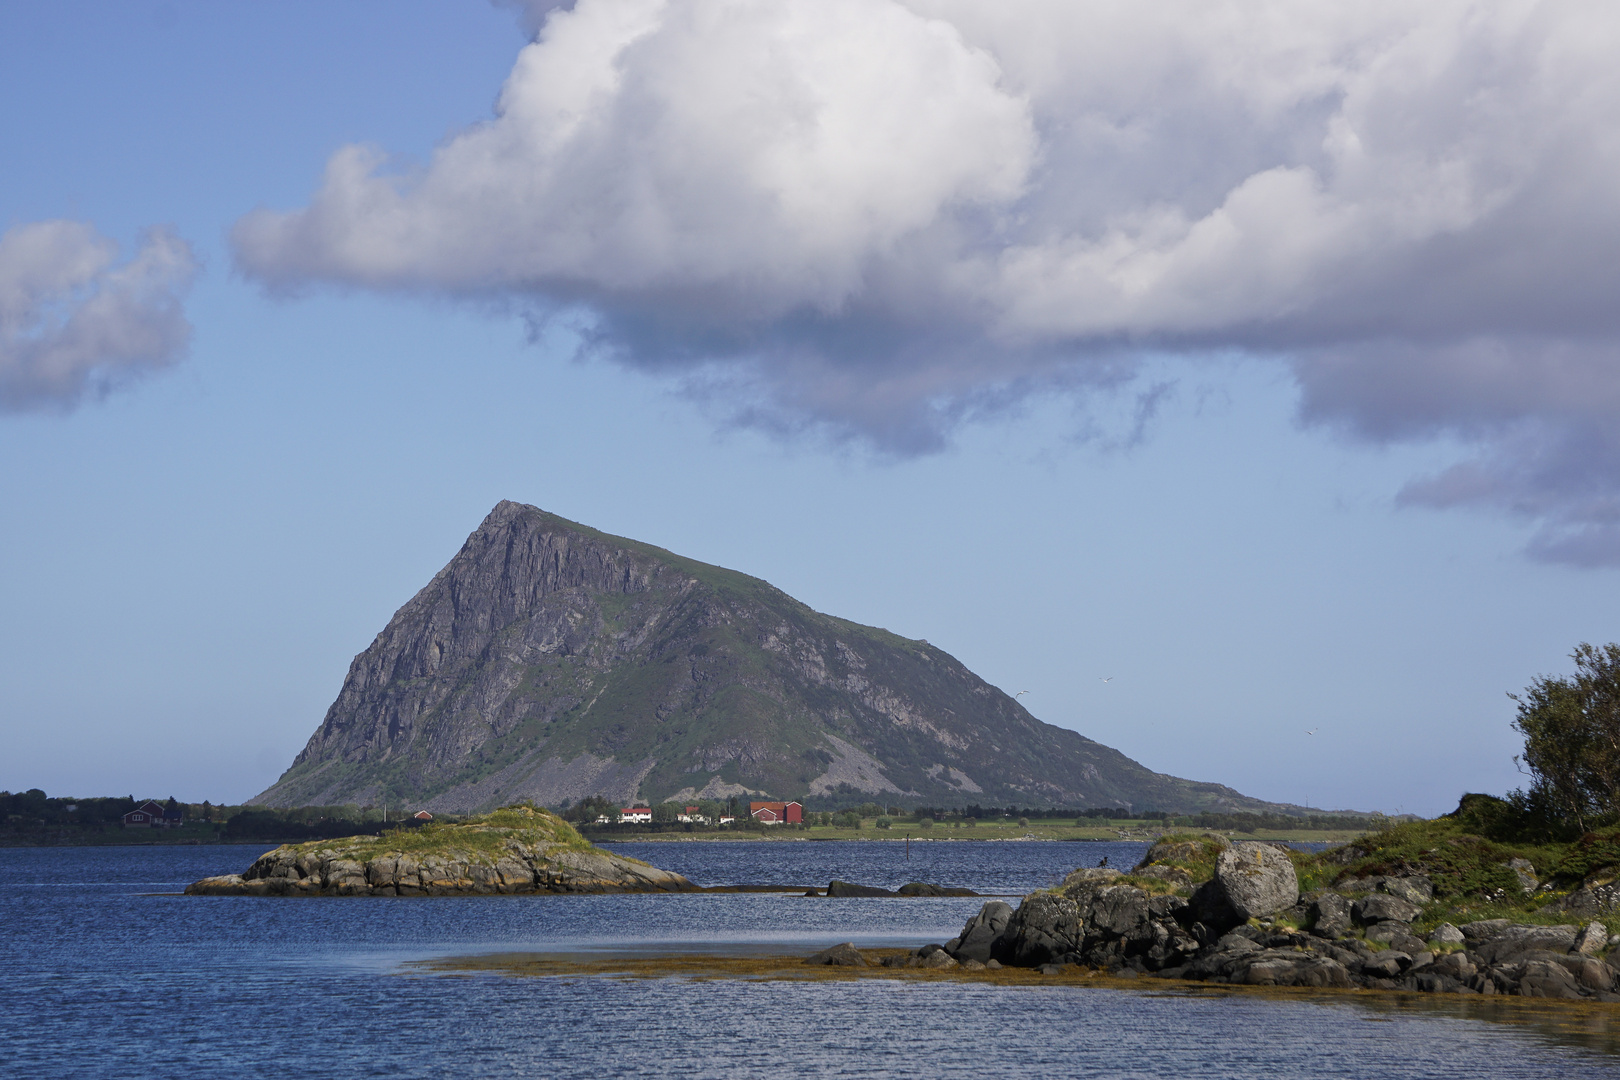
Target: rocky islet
(515, 850)
(1249, 924)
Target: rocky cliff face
(549, 661)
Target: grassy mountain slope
(550, 661)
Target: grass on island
(487, 835)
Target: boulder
(845, 955)
(1329, 914)
(1181, 851)
(1046, 928)
(1256, 879)
(1446, 934)
(1116, 911)
(1081, 883)
(1512, 943)
(939, 959)
(1174, 876)
(1383, 907)
(1592, 939)
(978, 936)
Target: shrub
(884, 822)
(926, 823)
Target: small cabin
(692, 815)
(636, 815)
(150, 815)
(421, 815)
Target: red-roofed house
(636, 815)
(776, 813)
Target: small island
(514, 850)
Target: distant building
(636, 815)
(776, 813)
(726, 819)
(422, 815)
(149, 815)
(692, 814)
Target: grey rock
(1083, 882)
(1525, 872)
(1117, 911)
(1543, 978)
(977, 940)
(1383, 907)
(845, 955)
(1044, 929)
(972, 965)
(1486, 929)
(1389, 931)
(1386, 965)
(992, 965)
(1516, 940)
(924, 888)
(1329, 914)
(1256, 879)
(1592, 939)
(938, 959)
(1446, 934)
(847, 889)
(1456, 965)
(1590, 900)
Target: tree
(1571, 729)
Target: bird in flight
(1020, 694)
(1109, 679)
(1314, 730)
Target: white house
(636, 815)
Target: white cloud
(73, 324)
(883, 214)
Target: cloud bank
(882, 215)
(73, 324)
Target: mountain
(549, 661)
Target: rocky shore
(515, 850)
(1248, 923)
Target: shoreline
(1593, 1023)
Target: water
(104, 979)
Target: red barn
(777, 813)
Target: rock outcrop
(1248, 924)
(548, 661)
(515, 850)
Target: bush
(1571, 730)
(1023, 822)
(926, 823)
(847, 820)
(884, 822)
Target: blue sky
(1255, 524)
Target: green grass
(487, 836)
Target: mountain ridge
(550, 661)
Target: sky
(1256, 357)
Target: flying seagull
(1314, 730)
(1020, 694)
(1101, 679)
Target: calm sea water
(104, 978)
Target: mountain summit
(549, 661)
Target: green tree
(1571, 729)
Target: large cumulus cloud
(884, 214)
(75, 323)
